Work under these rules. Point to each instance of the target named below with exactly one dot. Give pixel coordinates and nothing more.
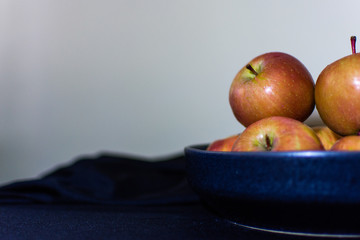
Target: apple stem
(251, 69)
(353, 41)
(268, 143)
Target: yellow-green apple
(272, 84)
(347, 143)
(223, 145)
(277, 134)
(337, 94)
(326, 136)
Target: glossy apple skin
(326, 136)
(223, 145)
(285, 134)
(283, 87)
(347, 143)
(337, 95)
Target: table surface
(191, 221)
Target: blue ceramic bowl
(304, 191)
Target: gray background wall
(142, 77)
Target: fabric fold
(117, 179)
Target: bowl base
(290, 218)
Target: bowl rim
(201, 149)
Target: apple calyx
(353, 41)
(252, 70)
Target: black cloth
(114, 197)
(107, 179)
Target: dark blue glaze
(287, 190)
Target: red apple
(347, 143)
(277, 134)
(337, 94)
(223, 145)
(326, 136)
(272, 84)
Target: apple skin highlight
(223, 145)
(281, 86)
(277, 134)
(348, 143)
(337, 95)
(326, 136)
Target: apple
(223, 145)
(347, 143)
(326, 136)
(337, 94)
(277, 134)
(272, 84)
